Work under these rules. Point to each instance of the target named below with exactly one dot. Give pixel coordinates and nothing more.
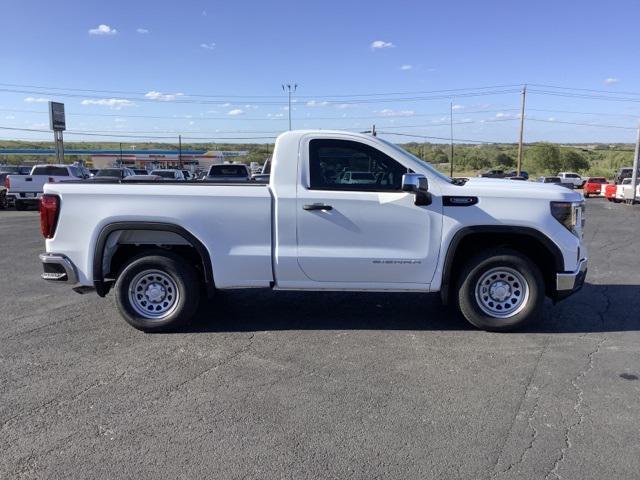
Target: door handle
(317, 206)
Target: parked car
(594, 186)
(514, 173)
(233, 172)
(140, 171)
(168, 174)
(3, 194)
(113, 173)
(555, 180)
(573, 178)
(493, 173)
(610, 192)
(187, 175)
(503, 247)
(25, 190)
(621, 174)
(92, 172)
(623, 191)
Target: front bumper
(58, 268)
(567, 283)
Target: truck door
(356, 225)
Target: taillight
(7, 182)
(49, 210)
(52, 180)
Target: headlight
(571, 215)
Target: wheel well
(547, 257)
(118, 243)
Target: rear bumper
(567, 283)
(58, 268)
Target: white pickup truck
(495, 249)
(25, 190)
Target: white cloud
(208, 46)
(235, 112)
(103, 29)
(191, 122)
(120, 120)
(506, 116)
(36, 100)
(114, 103)
(381, 44)
(142, 31)
(226, 104)
(388, 112)
(10, 117)
(457, 107)
(315, 103)
(163, 97)
(406, 67)
(343, 106)
(611, 81)
(251, 107)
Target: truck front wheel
(157, 292)
(500, 290)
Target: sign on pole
(56, 116)
(58, 124)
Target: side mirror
(417, 184)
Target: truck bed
(233, 221)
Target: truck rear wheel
(500, 290)
(3, 200)
(157, 292)
(20, 205)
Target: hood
(500, 187)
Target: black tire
(176, 273)
(586, 195)
(529, 308)
(3, 200)
(20, 205)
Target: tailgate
(27, 185)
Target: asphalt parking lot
(286, 385)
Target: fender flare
(493, 229)
(102, 287)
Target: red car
(594, 186)
(610, 192)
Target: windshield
(403, 152)
(51, 170)
(109, 172)
(228, 171)
(164, 173)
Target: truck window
(348, 165)
(51, 170)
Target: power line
(437, 138)
(581, 124)
(130, 92)
(585, 89)
(223, 102)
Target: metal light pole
(180, 151)
(634, 175)
(290, 89)
(451, 135)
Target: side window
(348, 165)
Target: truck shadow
(596, 308)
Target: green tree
(574, 161)
(545, 157)
(505, 160)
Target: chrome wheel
(501, 292)
(153, 294)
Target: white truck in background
(495, 249)
(25, 190)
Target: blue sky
(158, 54)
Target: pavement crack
(515, 416)
(577, 412)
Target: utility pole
(373, 130)
(520, 144)
(120, 154)
(451, 136)
(180, 151)
(290, 89)
(634, 175)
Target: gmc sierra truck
(493, 248)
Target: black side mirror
(417, 184)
